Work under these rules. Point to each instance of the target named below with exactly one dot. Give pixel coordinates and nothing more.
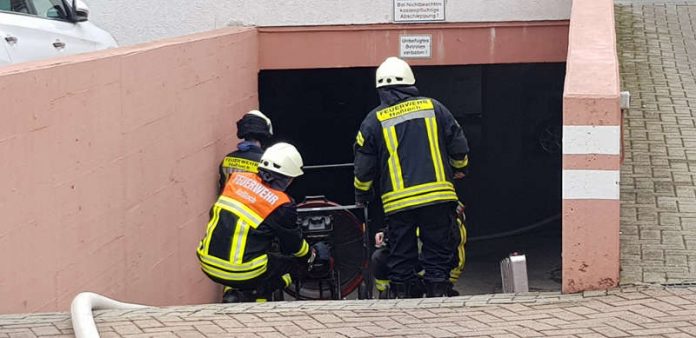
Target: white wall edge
(591, 184)
(603, 140)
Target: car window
(50, 9)
(19, 6)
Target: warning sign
(419, 10)
(416, 46)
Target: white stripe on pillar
(605, 140)
(591, 184)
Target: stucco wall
(138, 21)
(109, 166)
(591, 150)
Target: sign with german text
(416, 46)
(419, 10)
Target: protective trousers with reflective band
(418, 174)
(436, 223)
(234, 249)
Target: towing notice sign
(419, 10)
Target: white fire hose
(81, 312)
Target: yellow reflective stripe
(225, 265)
(404, 108)
(261, 300)
(241, 164)
(233, 276)
(416, 190)
(394, 163)
(239, 240)
(240, 210)
(360, 140)
(360, 185)
(287, 279)
(461, 254)
(381, 284)
(420, 200)
(304, 249)
(435, 156)
(210, 228)
(459, 164)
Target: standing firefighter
(255, 128)
(414, 147)
(252, 210)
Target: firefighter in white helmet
(251, 211)
(255, 129)
(409, 149)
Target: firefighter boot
(398, 290)
(231, 296)
(436, 289)
(451, 292)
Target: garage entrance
(510, 113)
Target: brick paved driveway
(627, 312)
(657, 51)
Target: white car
(40, 29)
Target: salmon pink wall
(452, 44)
(591, 150)
(108, 166)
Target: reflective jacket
(243, 222)
(245, 159)
(412, 145)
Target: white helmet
(264, 117)
(394, 71)
(282, 158)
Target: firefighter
(380, 270)
(252, 210)
(255, 129)
(413, 147)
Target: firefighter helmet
(282, 158)
(393, 72)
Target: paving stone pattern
(627, 312)
(657, 53)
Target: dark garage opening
(512, 116)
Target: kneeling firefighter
(251, 211)
(255, 128)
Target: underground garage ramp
(512, 116)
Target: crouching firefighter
(251, 212)
(255, 128)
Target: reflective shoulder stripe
(437, 196)
(205, 242)
(239, 239)
(434, 143)
(392, 143)
(417, 190)
(360, 140)
(240, 209)
(304, 249)
(459, 164)
(412, 116)
(242, 164)
(360, 185)
(404, 108)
